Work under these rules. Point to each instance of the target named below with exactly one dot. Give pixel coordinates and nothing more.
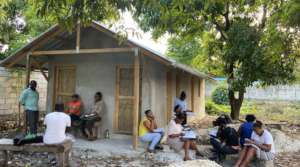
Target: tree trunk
(235, 103)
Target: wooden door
(124, 100)
(65, 83)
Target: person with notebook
(226, 140)
(261, 145)
(178, 139)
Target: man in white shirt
(260, 145)
(56, 125)
(181, 102)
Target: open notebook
(189, 135)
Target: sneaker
(159, 147)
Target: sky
(143, 38)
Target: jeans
(32, 119)
(153, 138)
(222, 150)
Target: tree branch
(264, 17)
(219, 28)
(226, 16)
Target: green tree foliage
(196, 52)
(220, 95)
(14, 36)
(249, 37)
(68, 12)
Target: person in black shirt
(226, 142)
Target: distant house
(131, 77)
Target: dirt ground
(86, 158)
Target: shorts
(175, 143)
(262, 155)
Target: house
(131, 77)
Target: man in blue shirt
(245, 129)
(29, 99)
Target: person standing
(181, 101)
(29, 99)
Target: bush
(212, 108)
(220, 95)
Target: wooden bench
(61, 150)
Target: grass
(270, 111)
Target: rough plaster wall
(154, 95)
(96, 73)
(11, 85)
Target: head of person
(33, 85)
(177, 109)
(98, 96)
(75, 97)
(179, 118)
(250, 118)
(258, 128)
(59, 107)
(149, 114)
(182, 96)
(222, 121)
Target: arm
(23, 97)
(264, 147)
(175, 135)
(149, 125)
(239, 132)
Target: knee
(158, 135)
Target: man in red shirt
(74, 108)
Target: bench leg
(5, 158)
(67, 158)
(61, 159)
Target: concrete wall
(154, 93)
(11, 85)
(94, 73)
(279, 92)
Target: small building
(131, 77)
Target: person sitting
(245, 130)
(148, 132)
(261, 145)
(56, 124)
(176, 140)
(226, 141)
(74, 108)
(91, 121)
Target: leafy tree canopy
(68, 12)
(19, 24)
(251, 38)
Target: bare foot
(187, 158)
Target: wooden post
(137, 97)
(78, 37)
(202, 96)
(28, 70)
